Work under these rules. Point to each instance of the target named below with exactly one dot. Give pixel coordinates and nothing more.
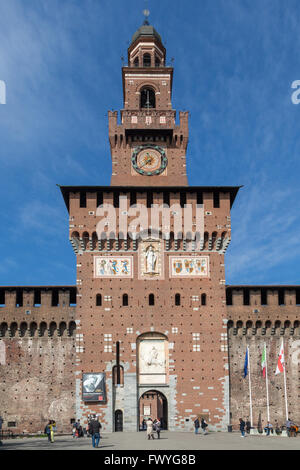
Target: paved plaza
(169, 441)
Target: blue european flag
(246, 364)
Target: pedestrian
(87, 428)
(157, 427)
(197, 425)
(52, 429)
(248, 426)
(47, 430)
(74, 430)
(150, 432)
(204, 426)
(242, 427)
(94, 430)
(79, 429)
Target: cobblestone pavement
(169, 441)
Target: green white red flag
(264, 361)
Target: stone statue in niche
(151, 259)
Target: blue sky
(235, 61)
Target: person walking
(197, 425)
(79, 429)
(150, 432)
(157, 428)
(204, 426)
(74, 430)
(52, 427)
(47, 430)
(242, 427)
(94, 431)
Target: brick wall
(254, 324)
(37, 357)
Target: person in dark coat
(197, 425)
(248, 426)
(204, 425)
(242, 427)
(94, 431)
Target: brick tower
(151, 308)
(148, 120)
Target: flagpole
(250, 395)
(285, 391)
(267, 388)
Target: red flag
(280, 363)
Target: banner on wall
(94, 387)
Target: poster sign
(93, 387)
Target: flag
(246, 364)
(280, 362)
(264, 361)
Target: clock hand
(146, 161)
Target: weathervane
(146, 13)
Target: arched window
(157, 61)
(203, 299)
(42, 328)
(136, 62)
(125, 300)
(13, 329)
(177, 299)
(98, 300)
(62, 328)
(151, 299)
(52, 328)
(72, 328)
(23, 329)
(147, 60)
(147, 98)
(3, 329)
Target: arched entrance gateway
(153, 376)
(153, 404)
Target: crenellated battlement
(37, 303)
(264, 309)
(262, 296)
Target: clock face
(149, 160)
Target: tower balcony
(148, 125)
(148, 119)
